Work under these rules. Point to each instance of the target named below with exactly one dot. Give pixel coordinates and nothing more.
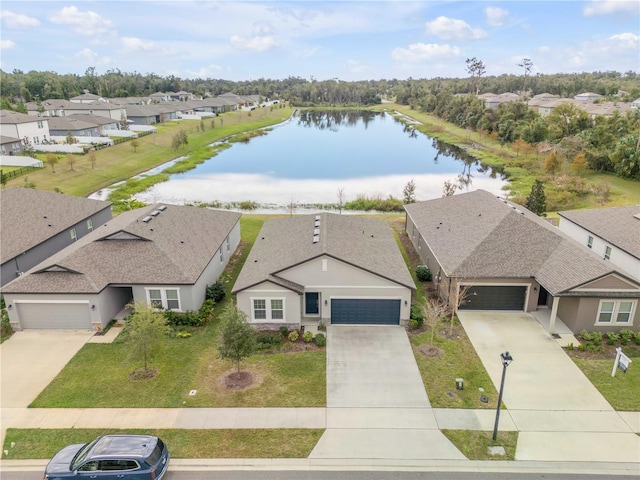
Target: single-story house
(10, 145)
(338, 269)
(35, 224)
(508, 258)
(162, 255)
(63, 126)
(613, 233)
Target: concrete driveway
(560, 415)
(377, 406)
(30, 359)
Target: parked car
(111, 457)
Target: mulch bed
(609, 352)
(140, 374)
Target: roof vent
(155, 213)
(316, 231)
(316, 238)
(317, 217)
(162, 208)
(147, 219)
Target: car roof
(139, 446)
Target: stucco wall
(267, 290)
(580, 313)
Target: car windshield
(156, 454)
(82, 454)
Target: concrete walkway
(377, 407)
(560, 415)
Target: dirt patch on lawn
(430, 351)
(140, 374)
(242, 380)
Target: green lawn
(475, 445)
(245, 443)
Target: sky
(345, 40)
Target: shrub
(190, 318)
(423, 273)
(612, 338)
(268, 340)
(215, 292)
(322, 327)
(307, 337)
(206, 311)
(637, 339)
(293, 336)
(320, 340)
(626, 335)
(413, 324)
(416, 314)
(284, 330)
(594, 338)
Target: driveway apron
(546, 394)
(377, 406)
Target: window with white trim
(269, 309)
(220, 253)
(616, 312)
(90, 225)
(228, 244)
(590, 242)
(166, 298)
(607, 253)
(74, 235)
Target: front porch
(560, 332)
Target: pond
(309, 158)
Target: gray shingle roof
(174, 247)
(615, 225)
(11, 118)
(476, 235)
(283, 243)
(26, 213)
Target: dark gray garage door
(365, 311)
(495, 298)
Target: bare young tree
(292, 205)
(433, 311)
(476, 69)
(71, 160)
(459, 295)
(92, 158)
(448, 188)
(526, 64)
(341, 199)
(409, 192)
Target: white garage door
(60, 316)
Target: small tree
(552, 162)
(213, 123)
(70, 140)
(409, 192)
(202, 125)
(92, 158)
(527, 64)
(433, 311)
(237, 341)
(448, 188)
(292, 205)
(124, 125)
(579, 164)
(340, 199)
(147, 328)
(459, 296)
(135, 143)
(476, 69)
(537, 200)
(52, 160)
(71, 160)
(27, 147)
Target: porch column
(554, 313)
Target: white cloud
(7, 44)
(356, 67)
(256, 43)
(495, 16)
(17, 20)
(453, 29)
(208, 71)
(606, 7)
(92, 58)
(133, 44)
(84, 23)
(419, 52)
(626, 40)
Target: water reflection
(318, 152)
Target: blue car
(128, 457)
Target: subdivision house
(338, 269)
(35, 224)
(612, 233)
(21, 126)
(162, 255)
(508, 258)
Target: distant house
(613, 233)
(10, 145)
(495, 100)
(143, 115)
(587, 97)
(339, 269)
(37, 224)
(510, 259)
(161, 255)
(103, 123)
(62, 108)
(62, 126)
(87, 98)
(21, 126)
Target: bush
(190, 318)
(293, 336)
(322, 327)
(594, 338)
(626, 335)
(637, 339)
(268, 340)
(284, 330)
(320, 340)
(416, 314)
(307, 337)
(216, 292)
(612, 338)
(206, 311)
(423, 273)
(413, 324)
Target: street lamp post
(506, 360)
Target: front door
(311, 303)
